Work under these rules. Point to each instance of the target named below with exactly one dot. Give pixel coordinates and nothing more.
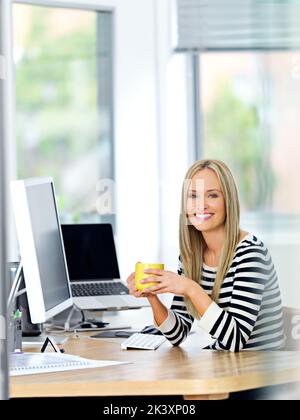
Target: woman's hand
(168, 282)
(133, 290)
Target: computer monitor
(41, 248)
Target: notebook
(94, 270)
(33, 363)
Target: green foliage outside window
(58, 120)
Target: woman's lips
(203, 217)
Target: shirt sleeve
(232, 327)
(179, 321)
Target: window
(250, 114)
(63, 60)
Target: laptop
(94, 270)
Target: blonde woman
(226, 280)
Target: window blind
(228, 25)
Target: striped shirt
(248, 315)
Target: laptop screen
(90, 251)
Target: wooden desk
(184, 370)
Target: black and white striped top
(248, 315)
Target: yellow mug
(140, 275)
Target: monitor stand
(74, 319)
(65, 320)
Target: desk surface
(184, 370)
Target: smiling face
(205, 201)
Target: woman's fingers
(156, 271)
(131, 277)
(131, 284)
(131, 280)
(132, 287)
(145, 292)
(158, 289)
(151, 280)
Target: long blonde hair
(191, 241)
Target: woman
(226, 280)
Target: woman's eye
(197, 196)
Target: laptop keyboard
(99, 289)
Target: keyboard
(99, 289)
(143, 342)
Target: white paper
(33, 363)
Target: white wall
(136, 141)
(151, 133)
(172, 121)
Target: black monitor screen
(90, 251)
